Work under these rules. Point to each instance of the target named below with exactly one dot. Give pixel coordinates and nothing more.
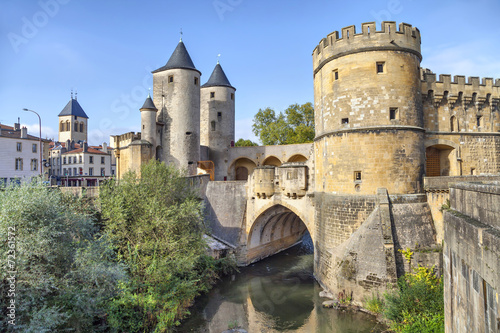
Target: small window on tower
(393, 113)
(212, 124)
(380, 67)
(232, 97)
(219, 116)
(195, 81)
(345, 121)
(357, 175)
(336, 74)
(170, 79)
(212, 94)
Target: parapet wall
(406, 38)
(473, 90)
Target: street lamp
(39, 138)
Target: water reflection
(278, 294)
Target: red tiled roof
(89, 150)
(9, 132)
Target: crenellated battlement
(472, 90)
(390, 37)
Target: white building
(20, 154)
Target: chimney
(72, 144)
(85, 146)
(68, 145)
(24, 133)
(17, 126)
(104, 147)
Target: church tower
(176, 90)
(73, 122)
(217, 119)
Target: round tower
(176, 90)
(217, 119)
(368, 110)
(148, 122)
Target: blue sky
(106, 50)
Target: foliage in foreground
(295, 125)
(417, 306)
(65, 270)
(155, 222)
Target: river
(278, 294)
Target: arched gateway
(275, 229)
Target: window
(91, 171)
(380, 67)
(19, 164)
(61, 127)
(80, 159)
(64, 160)
(345, 121)
(53, 161)
(74, 172)
(19, 146)
(472, 171)
(102, 172)
(195, 81)
(76, 126)
(65, 172)
(212, 94)
(34, 148)
(91, 159)
(69, 160)
(68, 126)
(335, 74)
(357, 175)
(81, 127)
(393, 113)
(102, 159)
(232, 97)
(213, 125)
(74, 159)
(479, 121)
(69, 172)
(170, 79)
(219, 116)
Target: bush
(155, 222)
(418, 304)
(66, 270)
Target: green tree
(295, 125)
(155, 221)
(65, 270)
(245, 143)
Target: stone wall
(225, 205)
(472, 258)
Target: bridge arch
(275, 228)
(241, 168)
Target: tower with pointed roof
(148, 122)
(176, 90)
(217, 113)
(73, 122)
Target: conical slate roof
(179, 59)
(148, 104)
(218, 78)
(73, 108)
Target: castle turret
(73, 122)
(368, 110)
(176, 90)
(148, 122)
(217, 118)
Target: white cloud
(47, 132)
(467, 59)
